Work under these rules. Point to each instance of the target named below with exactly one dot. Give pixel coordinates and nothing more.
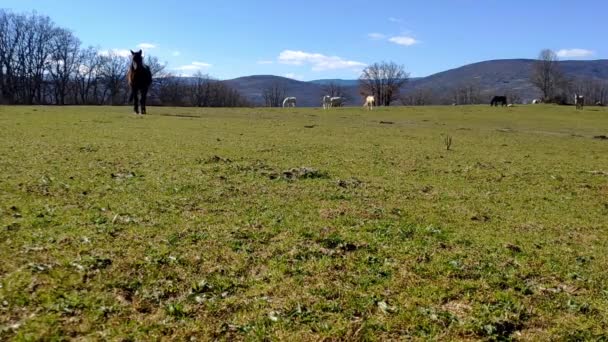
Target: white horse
(369, 102)
(326, 102)
(289, 102)
(535, 101)
(337, 101)
(579, 101)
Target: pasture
(304, 224)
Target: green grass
(182, 224)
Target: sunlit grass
(303, 224)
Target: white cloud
(574, 53)
(194, 66)
(293, 76)
(265, 62)
(317, 61)
(175, 53)
(403, 40)
(376, 36)
(146, 46)
(395, 20)
(117, 52)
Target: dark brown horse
(499, 99)
(140, 79)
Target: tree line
(556, 87)
(41, 63)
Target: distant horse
(289, 102)
(369, 102)
(579, 101)
(326, 101)
(140, 79)
(536, 101)
(499, 99)
(337, 101)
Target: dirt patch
(303, 173)
(601, 137)
(349, 183)
(458, 309)
(217, 159)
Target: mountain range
(506, 76)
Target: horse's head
(137, 59)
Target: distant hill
(343, 83)
(506, 76)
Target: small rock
(273, 316)
(385, 308)
(77, 266)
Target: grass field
(300, 224)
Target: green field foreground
(304, 224)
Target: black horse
(499, 99)
(140, 79)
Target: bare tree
(383, 80)
(172, 90)
(513, 97)
(224, 96)
(418, 97)
(156, 67)
(333, 89)
(34, 54)
(467, 92)
(274, 94)
(87, 77)
(112, 74)
(547, 75)
(9, 34)
(64, 64)
(593, 90)
(199, 91)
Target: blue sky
(313, 39)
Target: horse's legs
(133, 97)
(144, 94)
(135, 101)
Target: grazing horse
(337, 101)
(579, 101)
(499, 99)
(140, 79)
(289, 102)
(535, 101)
(369, 102)
(326, 101)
